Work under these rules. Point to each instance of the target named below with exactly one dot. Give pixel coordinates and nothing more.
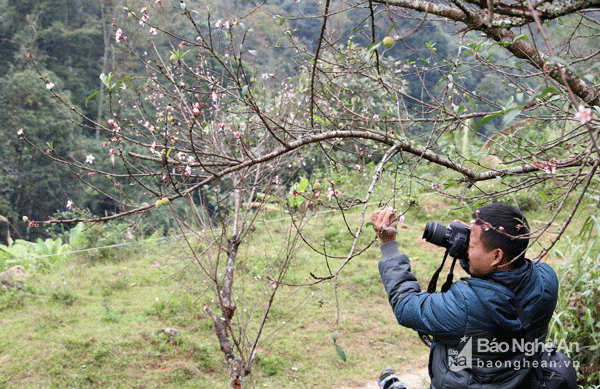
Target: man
(478, 339)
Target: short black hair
(505, 227)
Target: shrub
(576, 318)
(41, 255)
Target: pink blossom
(129, 234)
(111, 152)
(20, 132)
(237, 135)
(90, 158)
(196, 108)
(221, 126)
(152, 31)
(49, 85)
(191, 159)
(331, 193)
(105, 144)
(144, 9)
(144, 19)
(153, 147)
(548, 167)
(28, 55)
(219, 23)
(69, 204)
(118, 35)
(584, 114)
(118, 185)
(187, 171)
(400, 220)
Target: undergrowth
(576, 322)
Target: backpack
(552, 369)
(555, 371)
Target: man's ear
(498, 256)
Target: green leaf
(90, 96)
(486, 119)
(334, 335)
(370, 224)
(370, 49)
(303, 185)
(520, 37)
(510, 116)
(106, 78)
(390, 229)
(252, 52)
(244, 90)
(322, 121)
(340, 352)
(127, 78)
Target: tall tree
(35, 188)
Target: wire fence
(164, 238)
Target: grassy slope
(84, 326)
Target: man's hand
(385, 224)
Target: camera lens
(436, 233)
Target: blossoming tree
(203, 117)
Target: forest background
(127, 122)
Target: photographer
(477, 337)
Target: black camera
(455, 237)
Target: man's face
(481, 261)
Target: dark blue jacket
(479, 340)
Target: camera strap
(425, 338)
(434, 279)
